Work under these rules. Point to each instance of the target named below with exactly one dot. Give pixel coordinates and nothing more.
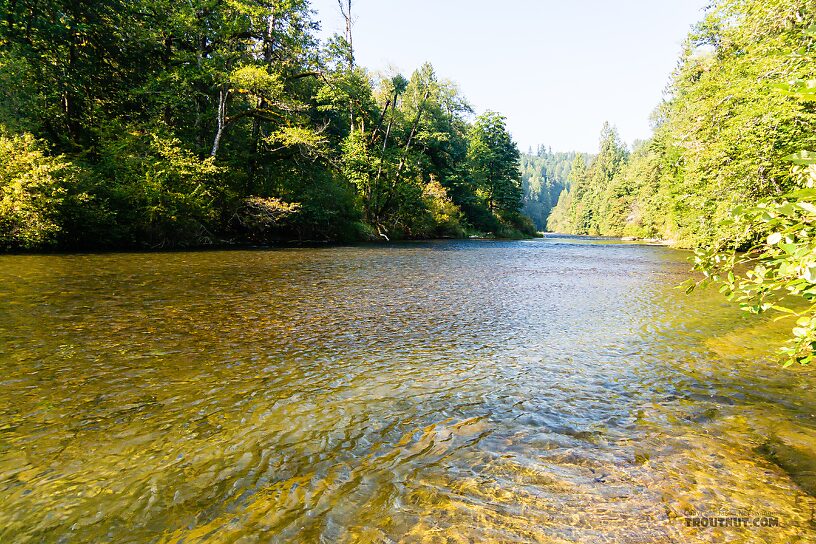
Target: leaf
(774, 238)
(802, 157)
(786, 209)
(802, 193)
(788, 248)
(688, 285)
(807, 206)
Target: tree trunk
(345, 11)
(407, 148)
(221, 119)
(413, 131)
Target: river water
(555, 390)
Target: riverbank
(650, 241)
(632, 239)
(248, 246)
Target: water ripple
(558, 390)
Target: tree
(778, 272)
(216, 122)
(34, 189)
(543, 178)
(494, 163)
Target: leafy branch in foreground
(779, 272)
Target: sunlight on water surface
(557, 390)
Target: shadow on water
(798, 463)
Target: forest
(732, 117)
(544, 176)
(152, 124)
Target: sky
(557, 69)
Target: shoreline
(631, 239)
(650, 241)
(240, 246)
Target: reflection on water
(557, 390)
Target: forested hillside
(733, 116)
(544, 176)
(149, 123)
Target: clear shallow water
(556, 390)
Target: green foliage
(447, 218)
(258, 217)
(214, 122)
(720, 137)
(517, 225)
(494, 163)
(559, 220)
(544, 175)
(162, 193)
(34, 188)
(779, 271)
(595, 190)
(780, 268)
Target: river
(555, 390)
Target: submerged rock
(798, 463)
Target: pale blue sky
(556, 68)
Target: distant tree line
(544, 175)
(723, 135)
(157, 123)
